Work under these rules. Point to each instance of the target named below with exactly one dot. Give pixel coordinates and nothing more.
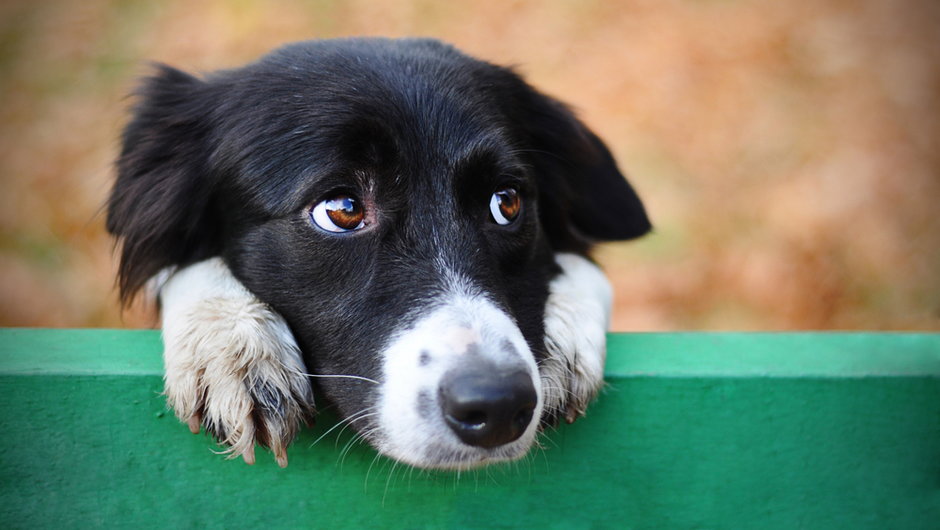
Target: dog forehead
(304, 119)
(326, 85)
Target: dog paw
(231, 363)
(577, 315)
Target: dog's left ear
(584, 197)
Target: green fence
(834, 430)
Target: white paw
(577, 315)
(231, 363)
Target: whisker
(389, 480)
(338, 376)
(358, 439)
(350, 422)
(359, 415)
(555, 388)
(371, 464)
(346, 449)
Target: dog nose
(486, 407)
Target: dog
(401, 225)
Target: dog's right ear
(584, 197)
(159, 206)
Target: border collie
(401, 225)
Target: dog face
(403, 207)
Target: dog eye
(339, 214)
(505, 205)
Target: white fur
(219, 343)
(444, 337)
(577, 315)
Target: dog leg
(231, 362)
(577, 315)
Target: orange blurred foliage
(789, 152)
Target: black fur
(228, 165)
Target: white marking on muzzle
(465, 328)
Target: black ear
(159, 205)
(584, 197)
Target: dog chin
(453, 457)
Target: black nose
(486, 407)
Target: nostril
(485, 407)
(523, 417)
(472, 420)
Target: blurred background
(788, 152)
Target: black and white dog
(406, 223)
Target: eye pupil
(505, 205)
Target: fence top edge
(799, 355)
(34, 351)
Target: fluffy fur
(217, 181)
(231, 362)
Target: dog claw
(279, 447)
(193, 423)
(572, 414)
(249, 456)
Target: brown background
(789, 152)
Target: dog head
(401, 205)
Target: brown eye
(505, 205)
(342, 213)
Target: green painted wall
(693, 431)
